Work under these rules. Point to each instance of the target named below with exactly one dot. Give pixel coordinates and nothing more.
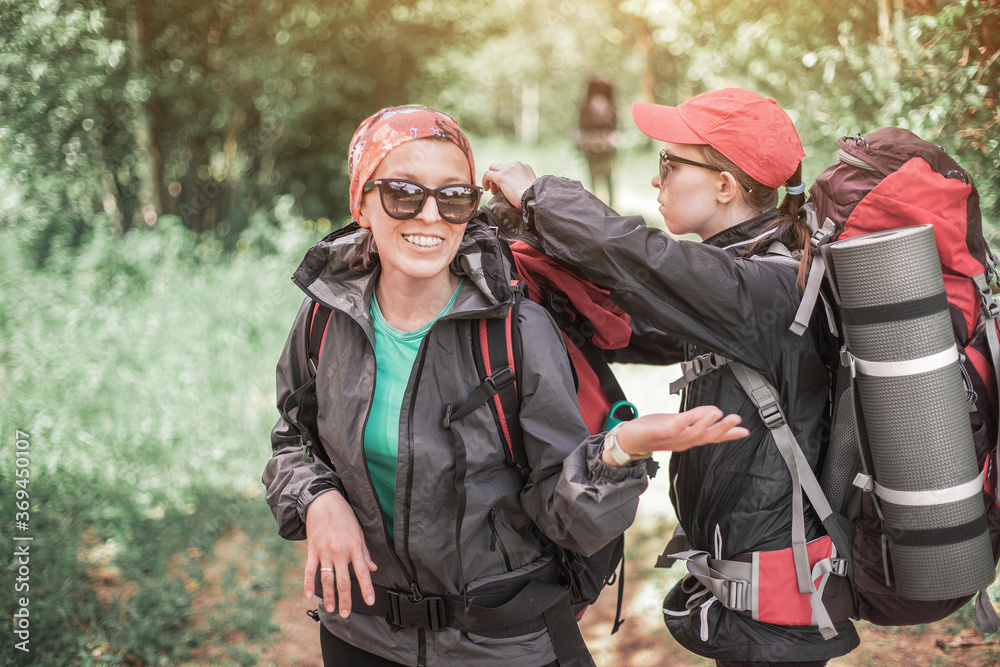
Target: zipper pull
(493, 529)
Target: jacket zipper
(411, 575)
(421, 356)
(847, 158)
(495, 539)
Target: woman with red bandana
(765, 581)
(425, 540)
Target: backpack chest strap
(698, 367)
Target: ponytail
(794, 218)
(790, 228)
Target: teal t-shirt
(395, 352)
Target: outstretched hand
(698, 426)
(512, 179)
(335, 540)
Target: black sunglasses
(666, 158)
(402, 198)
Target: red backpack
(884, 181)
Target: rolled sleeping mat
(912, 395)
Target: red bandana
(389, 128)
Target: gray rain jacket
(571, 497)
(731, 498)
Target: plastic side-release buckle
(428, 612)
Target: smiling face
(417, 251)
(689, 195)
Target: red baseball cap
(749, 129)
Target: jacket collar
(325, 274)
(743, 234)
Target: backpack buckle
(839, 566)
(991, 309)
(768, 409)
(736, 596)
(402, 611)
(501, 378)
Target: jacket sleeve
(696, 292)
(647, 345)
(576, 499)
(291, 482)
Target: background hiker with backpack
(597, 135)
(730, 298)
(450, 543)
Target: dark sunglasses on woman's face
(402, 198)
(666, 158)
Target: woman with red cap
(765, 584)
(414, 521)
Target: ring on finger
(326, 569)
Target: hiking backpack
(885, 184)
(907, 490)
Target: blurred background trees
(234, 113)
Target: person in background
(418, 528)
(597, 135)
(727, 154)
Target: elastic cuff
(524, 200)
(604, 471)
(312, 492)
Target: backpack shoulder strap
(301, 407)
(496, 347)
(765, 397)
(316, 334)
(821, 235)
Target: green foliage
(144, 377)
(931, 69)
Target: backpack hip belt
(514, 607)
(762, 586)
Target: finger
(344, 590)
(364, 577)
(735, 434)
(326, 578)
(310, 575)
(696, 431)
(718, 431)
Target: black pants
(338, 653)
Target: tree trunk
(148, 167)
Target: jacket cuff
(609, 473)
(313, 491)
